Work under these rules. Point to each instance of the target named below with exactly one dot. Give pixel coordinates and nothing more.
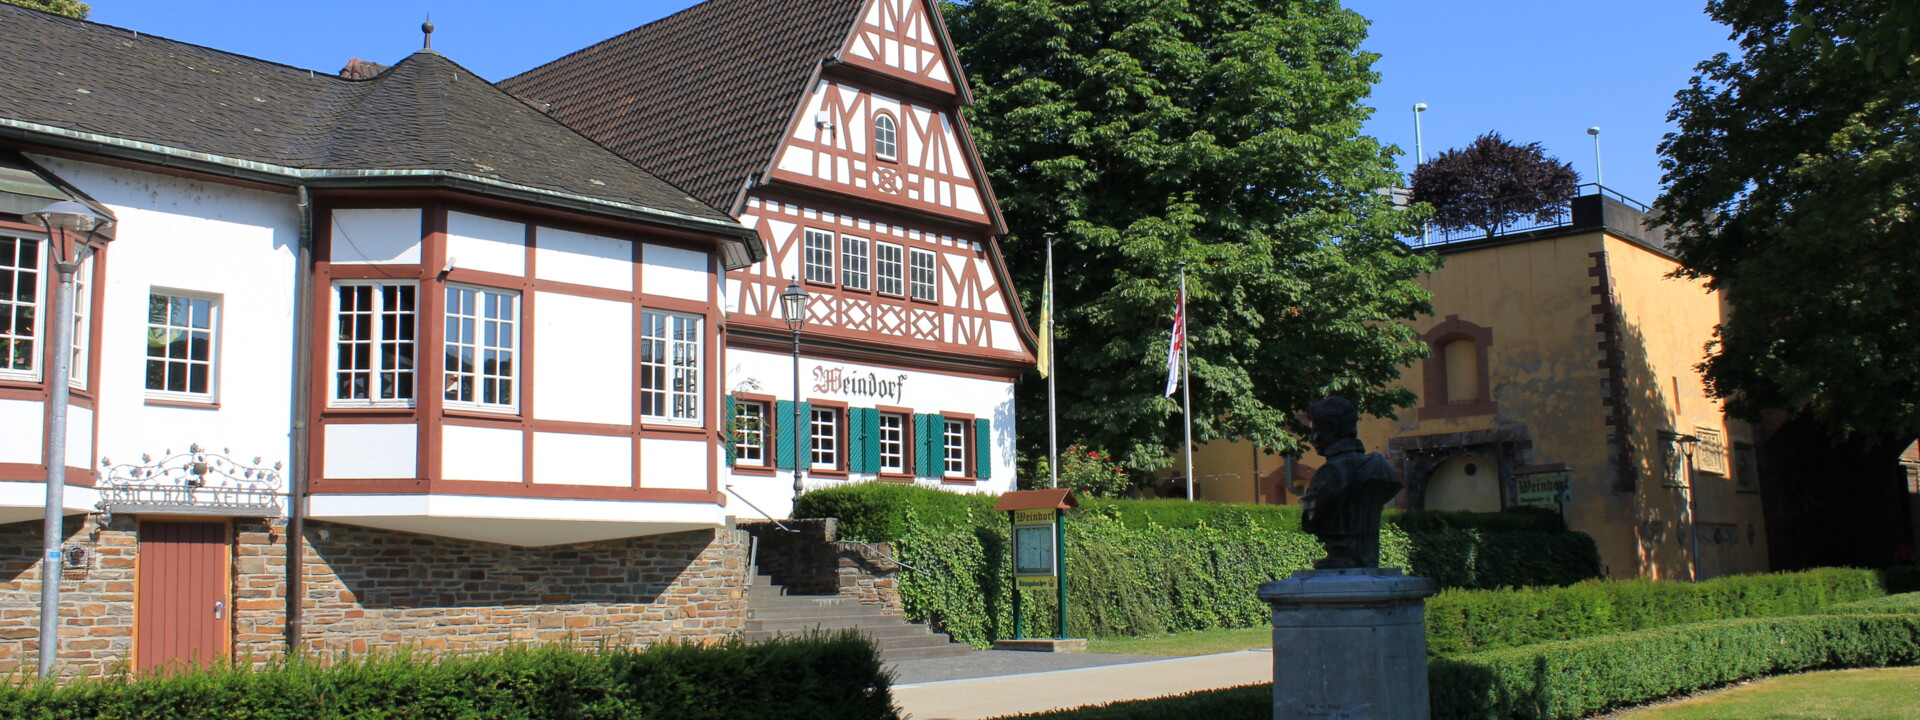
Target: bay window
(373, 352)
(20, 280)
(671, 347)
(482, 343)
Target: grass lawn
(1199, 642)
(1871, 694)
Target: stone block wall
(808, 557)
(369, 589)
(96, 596)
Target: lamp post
(71, 234)
(1686, 443)
(793, 305)
(1419, 158)
(1599, 176)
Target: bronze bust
(1341, 503)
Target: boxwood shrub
(826, 677)
(1142, 567)
(1462, 621)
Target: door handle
(219, 606)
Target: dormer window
(886, 143)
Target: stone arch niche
(1458, 366)
(1498, 453)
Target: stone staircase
(771, 612)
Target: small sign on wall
(1543, 490)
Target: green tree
(1793, 186)
(1222, 134)
(1493, 183)
(70, 8)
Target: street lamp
(71, 233)
(793, 305)
(1686, 443)
(1420, 158)
(1599, 176)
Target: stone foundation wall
(368, 589)
(96, 596)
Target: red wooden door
(181, 607)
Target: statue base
(1349, 644)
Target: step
(925, 653)
(793, 601)
(922, 639)
(823, 623)
(798, 611)
(876, 631)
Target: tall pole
(1053, 429)
(1186, 378)
(1693, 522)
(1599, 172)
(58, 378)
(802, 434)
(1420, 158)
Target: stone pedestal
(1349, 645)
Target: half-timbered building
(391, 344)
(833, 129)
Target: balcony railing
(1593, 206)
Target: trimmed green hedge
(1903, 603)
(1476, 620)
(1252, 702)
(828, 677)
(1576, 678)
(1144, 567)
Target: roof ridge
(138, 35)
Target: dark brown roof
(425, 115)
(700, 97)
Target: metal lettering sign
(1543, 490)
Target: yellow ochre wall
(1539, 298)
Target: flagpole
(1186, 379)
(1053, 434)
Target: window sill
(760, 470)
(895, 477)
(480, 411)
(181, 402)
(959, 481)
(831, 474)
(654, 426)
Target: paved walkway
(1032, 691)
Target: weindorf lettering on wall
(834, 380)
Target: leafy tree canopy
(1793, 186)
(1222, 134)
(1493, 183)
(70, 8)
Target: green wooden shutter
(983, 448)
(783, 419)
(803, 452)
(728, 433)
(856, 440)
(924, 445)
(870, 426)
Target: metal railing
(1559, 216)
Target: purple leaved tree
(1493, 183)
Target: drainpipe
(302, 385)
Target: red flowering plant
(1092, 472)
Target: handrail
(877, 551)
(756, 508)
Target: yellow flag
(1046, 323)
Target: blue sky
(1534, 70)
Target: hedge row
(1142, 567)
(1577, 678)
(1903, 603)
(1476, 620)
(826, 677)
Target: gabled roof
(425, 118)
(702, 96)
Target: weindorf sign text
(840, 381)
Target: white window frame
(823, 445)
(890, 273)
(886, 137)
(167, 328)
(817, 256)
(932, 284)
(749, 421)
(672, 369)
(376, 368)
(477, 378)
(893, 443)
(855, 252)
(36, 299)
(951, 453)
(82, 325)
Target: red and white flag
(1177, 344)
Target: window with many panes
(482, 341)
(670, 362)
(954, 445)
(885, 137)
(181, 332)
(889, 269)
(373, 349)
(749, 433)
(925, 284)
(20, 280)
(853, 262)
(825, 439)
(893, 443)
(819, 256)
(82, 319)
